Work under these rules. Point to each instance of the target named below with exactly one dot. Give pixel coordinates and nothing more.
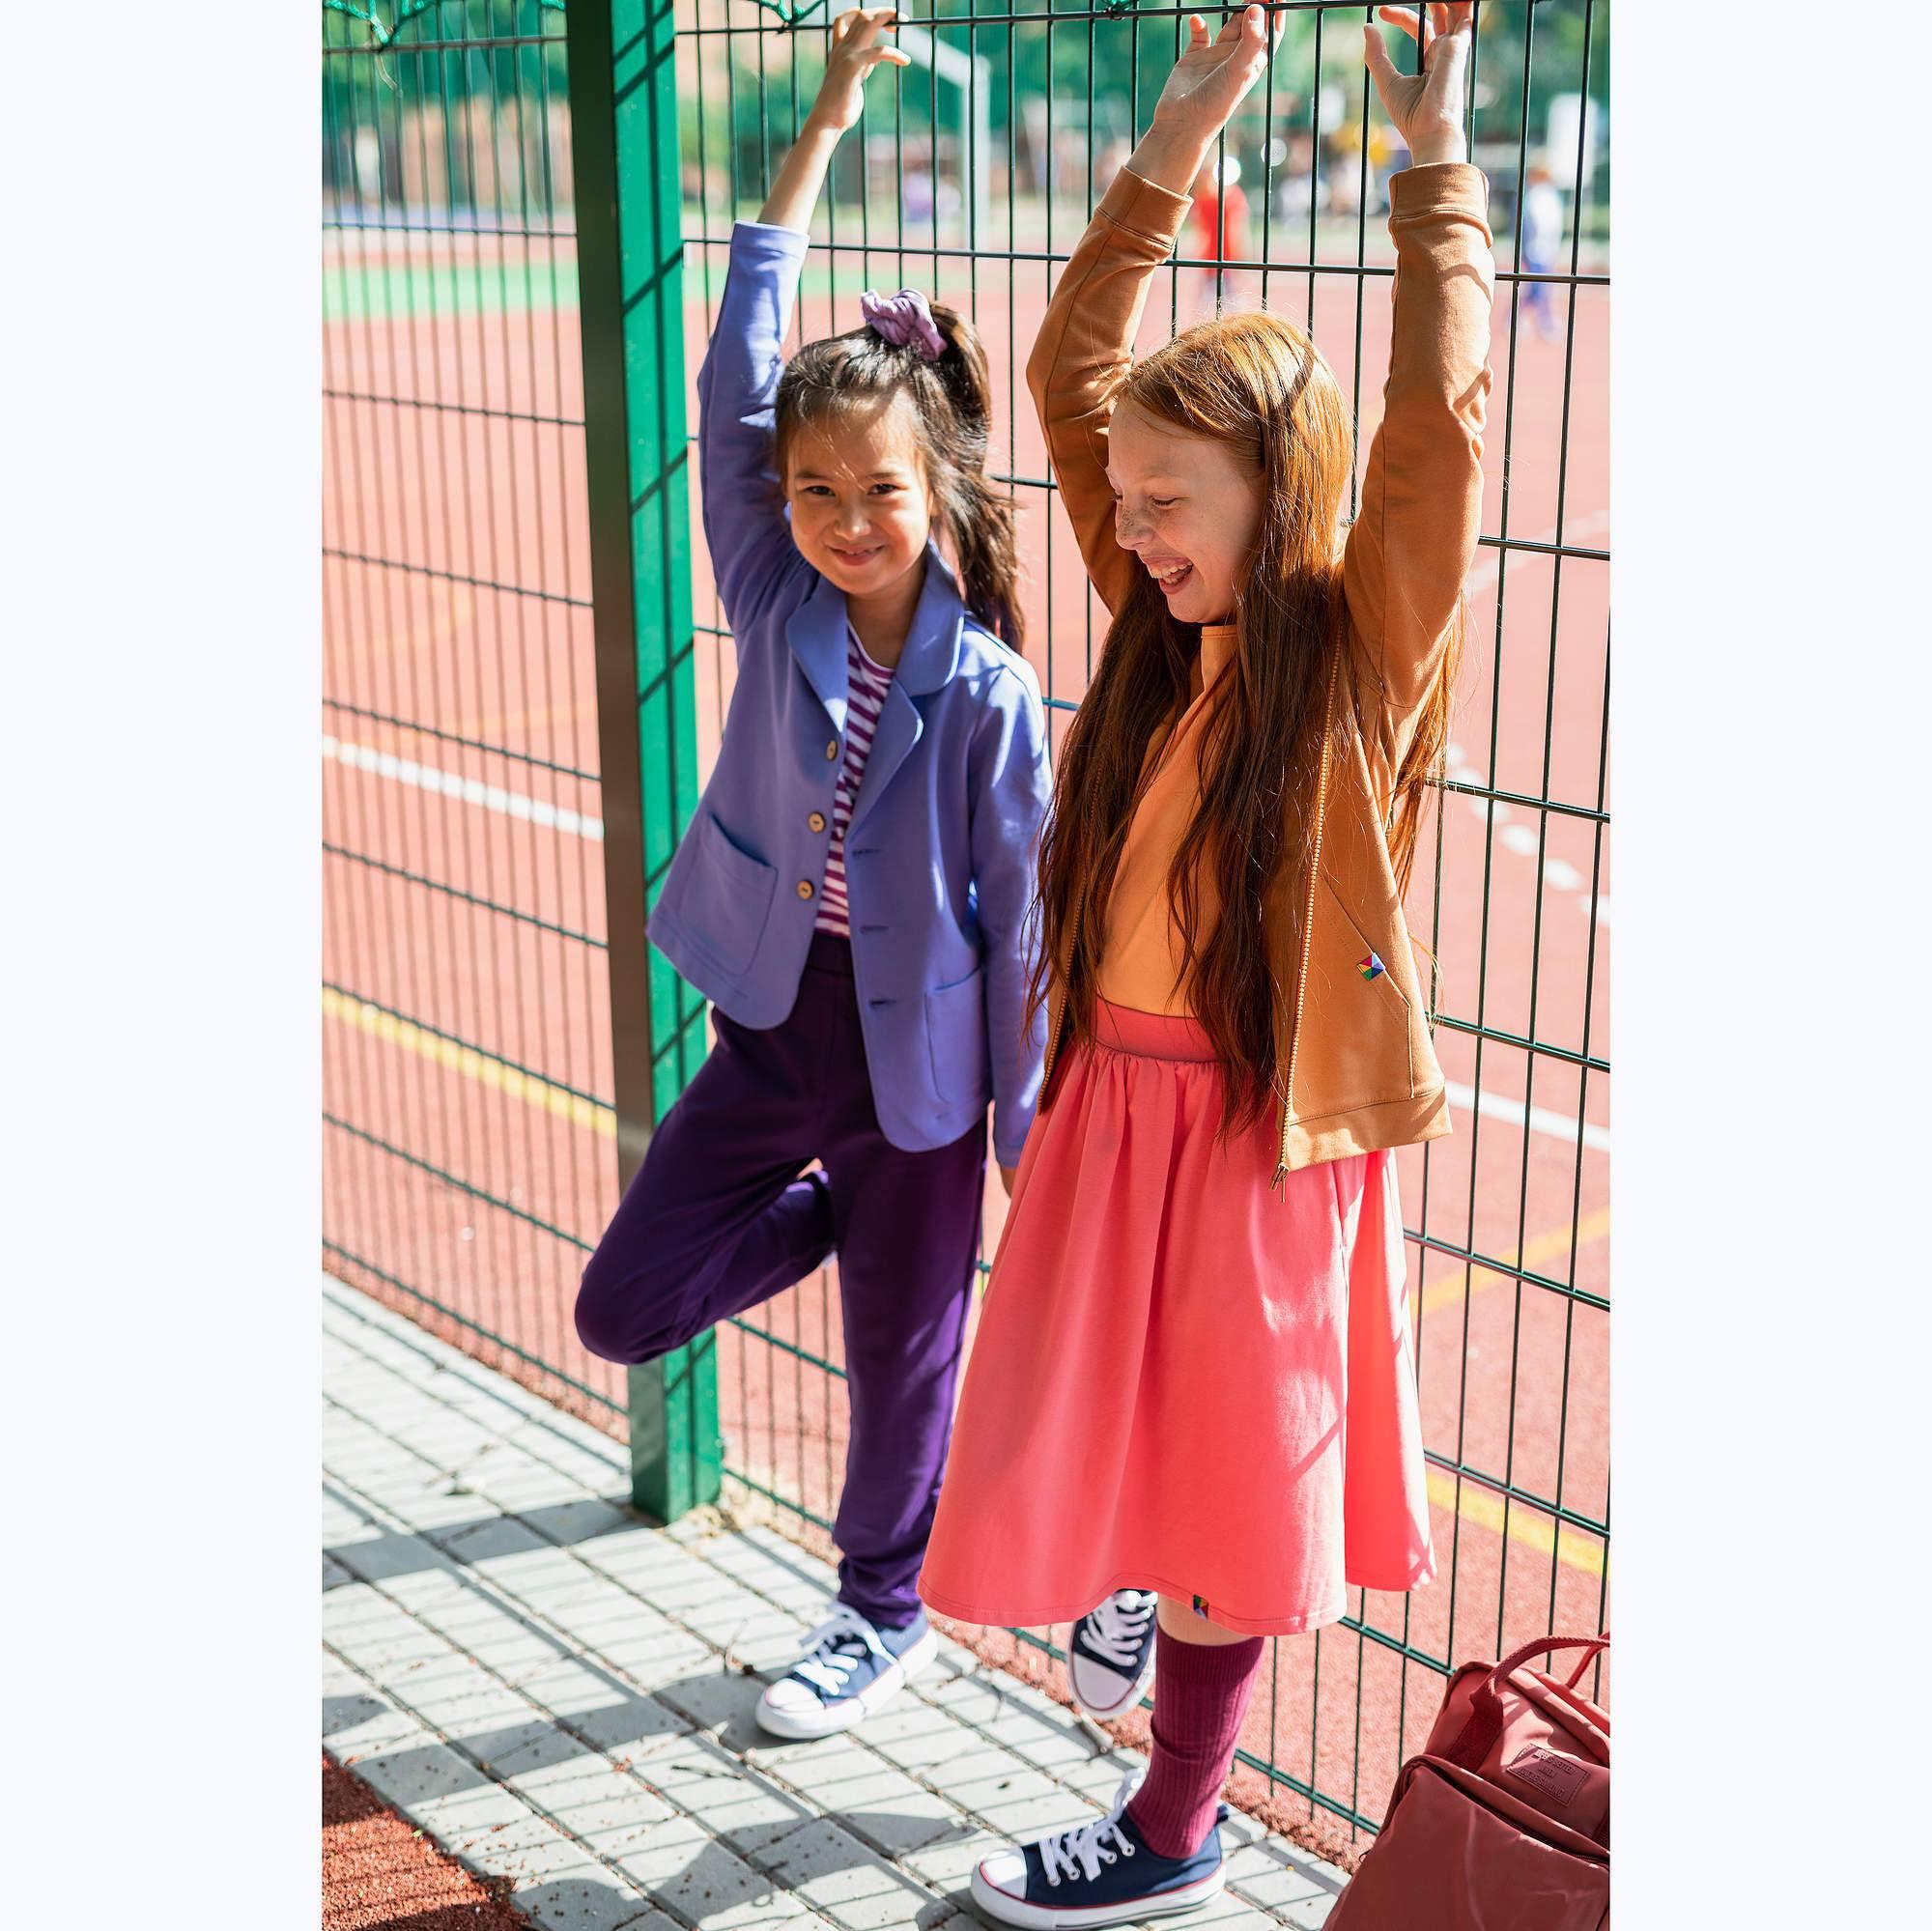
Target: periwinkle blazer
(940, 852)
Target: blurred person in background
(1218, 231)
(1296, 185)
(1342, 167)
(1348, 187)
(1542, 226)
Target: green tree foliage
(1101, 68)
(1081, 54)
(406, 67)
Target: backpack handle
(1584, 1660)
(1486, 1713)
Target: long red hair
(1257, 382)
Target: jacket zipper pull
(1280, 1174)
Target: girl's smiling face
(1189, 507)
(860, 508)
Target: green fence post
(623, 95)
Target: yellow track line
(1447, 1287)
(1527, 1526)
(1478, 1505)
(451, 607)
(470, 1063)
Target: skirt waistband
(1150, 1035)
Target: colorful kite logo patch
(1201, 1605)
(1371, 967)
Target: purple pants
(718, 1219)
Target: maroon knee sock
(1200, 1694)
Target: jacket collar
(816, 631)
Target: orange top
(1358, 1067)
(1146, 961)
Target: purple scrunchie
(901, 319)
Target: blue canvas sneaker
(850, 1669)
(1110, 1654)
(1100, 1873)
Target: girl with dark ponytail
(853, 895)
(932, 356)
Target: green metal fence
(479, 1065)
(467, 1075)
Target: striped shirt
(867, 686)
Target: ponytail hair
(952, 404)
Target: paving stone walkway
(561, 1694)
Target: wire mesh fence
(972, 175)
(468, 1022)
(465, 1023)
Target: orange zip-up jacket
(1358, 1069)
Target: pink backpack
(1503, 1822)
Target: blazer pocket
(733, 899)
(955, 1034)
(1361, 1054)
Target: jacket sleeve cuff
(1145, 207)
(1456, 188)
(760, 242)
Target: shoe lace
(836, 1649)
(1083, 1850)
(1115, 1629)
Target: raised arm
(1416, 526)
(857, 47)
(737, 388)
(1083, 352)
(737, 385)
(1085, 347)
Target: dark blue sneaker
(1110, 1654)
(850, 1669)
(1100, 1873)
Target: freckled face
(1187, 506)
(860, 510)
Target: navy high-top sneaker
(1110, 1653)
(1097, 1874)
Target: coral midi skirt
(1183, 1380)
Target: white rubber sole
(1010, 1910)
(1099, 1713)
(850, 1711)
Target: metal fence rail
(466, 1025)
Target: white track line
(1543, 1120)
(447, 784)
(1485, 573)
(1512, 835)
